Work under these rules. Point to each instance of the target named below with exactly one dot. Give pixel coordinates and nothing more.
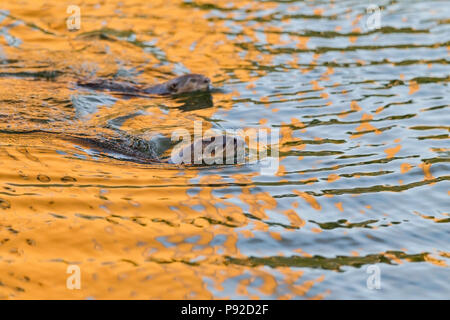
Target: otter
(183, 84)
(219, 149)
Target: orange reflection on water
(165, 231)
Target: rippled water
(363, 178)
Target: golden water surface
(363, 177)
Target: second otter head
(216, 149)
(188, 83)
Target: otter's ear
(173, 87)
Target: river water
(357, 208)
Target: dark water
(363, 181)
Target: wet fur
(182, 84)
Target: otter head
(218, 149)
(188, 83)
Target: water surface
(363, 180)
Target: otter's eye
(193, 80)
(173, 87)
